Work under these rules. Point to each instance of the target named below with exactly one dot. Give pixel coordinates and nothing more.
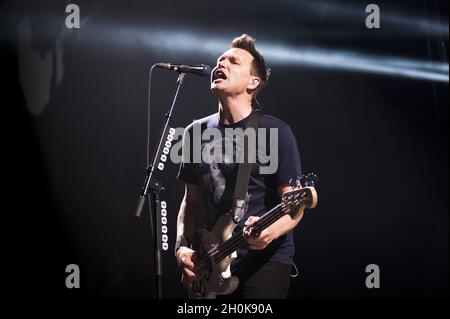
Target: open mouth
(219, 75)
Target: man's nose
(221, 64)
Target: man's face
(231, 75)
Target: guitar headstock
(303, 193)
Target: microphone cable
(148, 114)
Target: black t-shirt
(216, 173)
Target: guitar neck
(234, 242)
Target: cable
(296, 271)
(148, 114)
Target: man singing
(263, 265)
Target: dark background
(76, 139)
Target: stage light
(193, 43)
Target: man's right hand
(188, 262)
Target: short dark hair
(259, 67)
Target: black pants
(269, 280)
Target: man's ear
(254, 82)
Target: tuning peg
(298, 182)
(292, 182)
(302, 180)
(295, 182)
(311, 179)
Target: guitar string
(266, 220)
(237, 239)
(240, 238)
(226, 248)
(230, 242)
(211, 253)
(234, 242)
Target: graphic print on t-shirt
(219, 171)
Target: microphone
(202, 69)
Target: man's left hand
(257, 241)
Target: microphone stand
(152, 190)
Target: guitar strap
(244, 170)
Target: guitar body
(216, 279)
